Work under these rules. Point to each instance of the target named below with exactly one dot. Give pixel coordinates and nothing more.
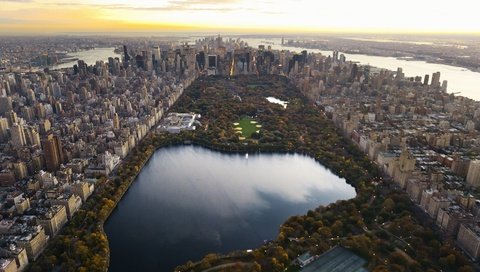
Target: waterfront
(459, 79)
(189, 201)
(89, 56)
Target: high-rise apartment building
(436, 79)
(473, 175)
(3, 129)
(126, 56)
(212, 61)
(18, 136)
(5, 104)
(52, 151)
(426, 79)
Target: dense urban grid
(62, 130)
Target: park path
(227, 265)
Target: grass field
(248, 127)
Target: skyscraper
(126, 56)
(140, 60)
(3, 129)
(444, 85)
(31, 97)
(335, 56)
(18, 136)
(473, 175)
(116, 121)
(400, 74)
(82, 68)
(436, 79)
(200, 58)
(52, 151)
(426, 79)
(212, 61)
(5, 104)
(157, 52)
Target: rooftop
(175, 122)
(337, 259)
(474, 227)
(305, 256)
(5, 262)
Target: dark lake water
(189, 201)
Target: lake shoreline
(182, 145)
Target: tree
(466, 268)
(398, 258)
(388, 205)
(380, 268)
(257, 267)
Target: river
(89, 56)
(189, 201)
(459, 79)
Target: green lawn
(248, 125)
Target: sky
(239, 16)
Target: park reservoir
(189, 201)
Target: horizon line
(244, 32)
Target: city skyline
(240, 16)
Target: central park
(368, 224)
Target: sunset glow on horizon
(286, 16)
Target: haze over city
(241, 16)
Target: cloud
(173, 5)
(17, 1)
(203, 2)
(6, 20)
